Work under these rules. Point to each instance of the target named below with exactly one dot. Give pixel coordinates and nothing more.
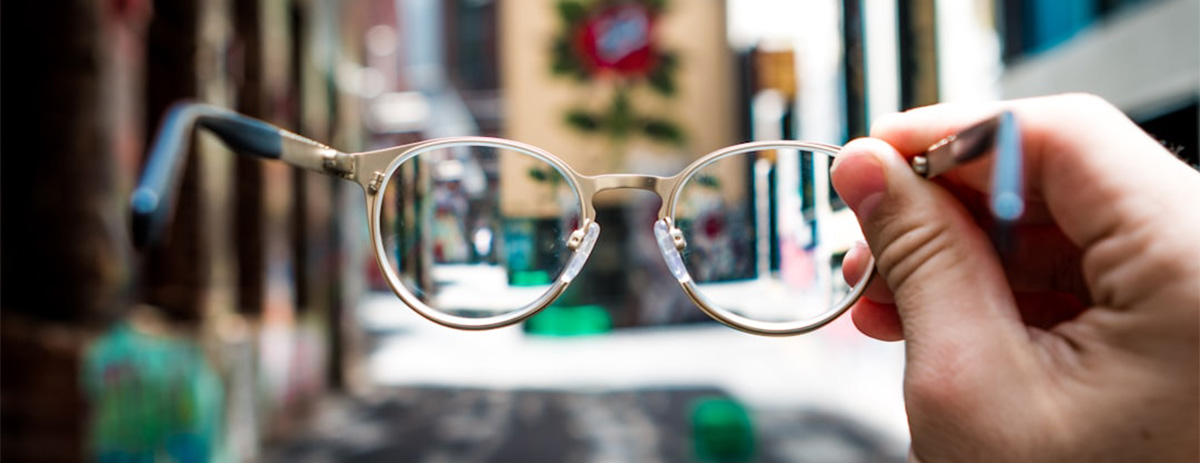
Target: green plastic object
(530, 278)
(722, 431)
(579, 320)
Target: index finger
(1098, 173)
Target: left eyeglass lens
(477, 231)
(766, 234)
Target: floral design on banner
(613, 42)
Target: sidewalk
(626, 396)
(434, 425)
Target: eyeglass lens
(765, 234)
(477, 231)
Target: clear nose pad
(669, 245)
(582, 242)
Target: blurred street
(625, 396)
(435, 424)
(191, 276)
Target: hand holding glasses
(479, 233)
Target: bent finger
(854, 267)
(948, 285)
(877, 320)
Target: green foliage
(620, 123)
(662, 78)
(571, 11)
(655, 6)
(619, 120)
(707, 181)
(563, 61)
(620, 115)
(662, 82)
(545, 175)
(664, 131)
(583, 120)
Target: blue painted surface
(154, 196)
(1049, 23)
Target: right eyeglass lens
(477, 231)
(766, 234)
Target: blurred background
(261, 329)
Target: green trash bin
(722, 431)
(578, 320)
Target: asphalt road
(439, 424)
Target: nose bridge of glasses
(662, 186)
(589, 186)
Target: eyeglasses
(477, 233)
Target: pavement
(626, 396)
(436, 424)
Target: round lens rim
(407, 297)
(729, 317)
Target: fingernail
(858, 177)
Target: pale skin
(1083, 344)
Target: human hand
(1083, 343)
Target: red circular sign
(618, 39)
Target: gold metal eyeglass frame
(372, 170)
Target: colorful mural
(154, 398)
(614, 42)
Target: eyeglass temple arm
(999, 134)
(154, 196)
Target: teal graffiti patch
(153, 399)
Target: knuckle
(1089, 106)
(913, 249)
(1138, 264)
(1085, 100)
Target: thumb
(950, 288)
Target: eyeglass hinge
(376, 182)
(920, 165)
(339, 163)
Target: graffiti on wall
(154, 398)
